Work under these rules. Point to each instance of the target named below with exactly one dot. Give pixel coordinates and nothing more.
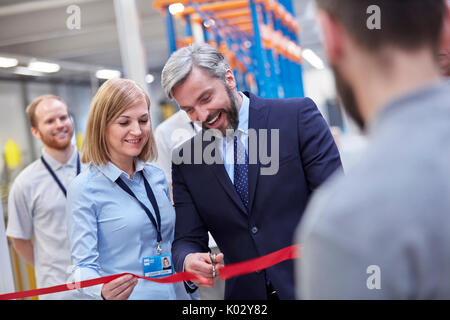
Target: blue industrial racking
(257, 37)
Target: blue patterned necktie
(241, 171)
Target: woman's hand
(120, 288)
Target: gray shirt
(383, 230)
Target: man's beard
(348, 100)
(231, 112)
(53, 143)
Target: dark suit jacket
(206, 200)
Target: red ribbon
(226, 272)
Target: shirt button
(254, 230)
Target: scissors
(212, 256)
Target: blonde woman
(121, 216)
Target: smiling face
(53, 124)
(166, 263)
(208, 99)
(127, 135)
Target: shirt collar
(112, 172)
(196, 126)
(55, 164)
(405, 102)
(243, 114)
(242, 127)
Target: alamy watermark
(263, 148)
(374, 20)
(374, 280)
(73, 21)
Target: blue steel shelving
(257, 37)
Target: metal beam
(131, 47)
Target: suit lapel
(222, 176)
(257, 120)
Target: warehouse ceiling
(38, 29)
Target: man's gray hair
(181, 62)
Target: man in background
(37, 201)
(382, 231)
(170, 134)
(249, 206)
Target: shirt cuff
(189, 284)
(93, 292)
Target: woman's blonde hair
(111, 100)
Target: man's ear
(35, 133)
(230, 80)
(445, 37)
(332, 36)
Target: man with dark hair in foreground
(382, 231)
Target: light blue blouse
(109, 231)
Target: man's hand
(120, 288)
(200, 263)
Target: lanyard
(61, 186)
(193, 126)
(156, 223)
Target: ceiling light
(149, 78)
(176, 8)
(8, 62)
(313, 59)
(24, 71)
(108, 74)
(41, 66)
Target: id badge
(157, 266)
